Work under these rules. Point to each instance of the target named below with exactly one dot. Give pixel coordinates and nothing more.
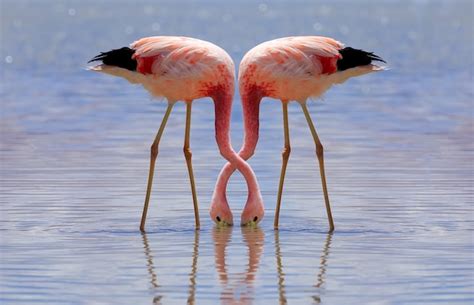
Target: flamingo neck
(251, 107)
(251, 111)
(223, 106)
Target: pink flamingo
(290, 69)
(184, 69)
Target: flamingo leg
(285, 155)
(153, 155)
(320, 155)
(188, 155)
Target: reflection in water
(324, 262)
(221, 237)
(319, 278)
(281, 278)
(192, 274)
(150, 268)
(322, 267)
(149, 261)
(238, 289)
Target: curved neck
(223, 107)
(251, 111)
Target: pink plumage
(290, 69)
(183, 69)
(178, 68)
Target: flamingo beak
(223, 223)
(252, 223)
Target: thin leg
(188, 155)
(319, 153)
(154, 154)
(285, 155)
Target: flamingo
(183, 69)
(290, 69)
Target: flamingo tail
(121, 58)
(352, 58)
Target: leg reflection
(149, 262)
(324, 262)
(238, 288)
(151, 269)
(192, 274)
(320, 278)
(154, 279)
(281, 275)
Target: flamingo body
(178, 68)
(295, 68)
(290, 69)
(184, 69)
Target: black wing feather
(119, 57)
(353, 58)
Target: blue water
(75, 148)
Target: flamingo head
(253, 211)
(220, 211)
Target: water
(75, 148)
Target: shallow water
(75, 148)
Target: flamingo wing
(175, 57)
(304, 56)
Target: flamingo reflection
(154, 279)
(320, 277)
(238, 288)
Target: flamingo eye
(255, 218)
(218, 219)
